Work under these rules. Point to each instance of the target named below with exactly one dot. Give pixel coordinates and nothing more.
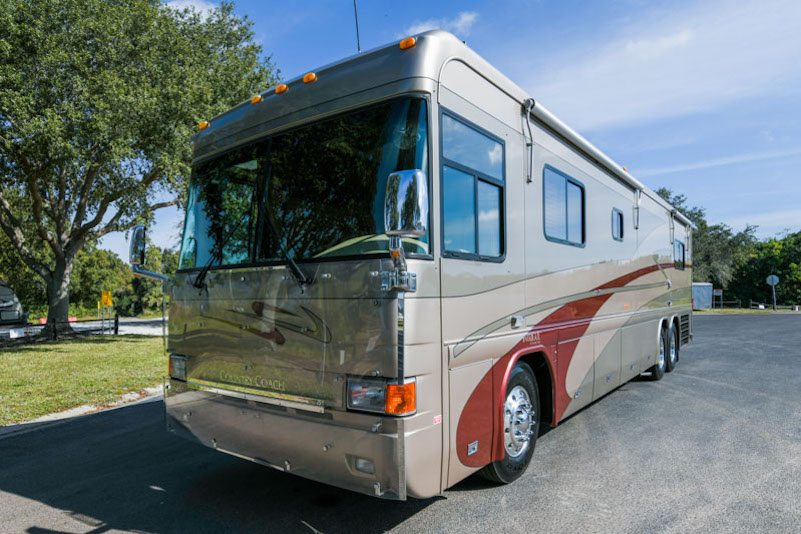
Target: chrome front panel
(255, 330)
(319, 446)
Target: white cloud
(769, 222)
(718, 162)
(690, 60)
(204, 7)
(459, 25)
(495, 155)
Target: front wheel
(521, 425)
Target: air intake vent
(684, 329)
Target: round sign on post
(772, 280)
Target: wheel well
(664, 327)
(539, 365)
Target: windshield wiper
(217, 255)
(297, 272)
(294, 268)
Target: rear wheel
(672, 349)
(521, 425)
(658, 370)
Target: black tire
(512, 466)
(658, 370)
(672, 349)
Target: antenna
(356, 14)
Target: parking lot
(713, 447)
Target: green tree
(98, 103)
(28, 287)
(780, 256)
(717, 251)
(142, 294)
(96, 270)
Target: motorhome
(396, 269)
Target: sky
(701, 97)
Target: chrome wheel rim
(673, 353)
(661, 354)
(518, 422)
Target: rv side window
(472, 198)
(678, 254)
(617, 224)
(563, 208)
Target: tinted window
(472, 191)
(563, 208)
(575, 213)
(617, 224)
(489, 219)
(459, 210)
(471, 148)
(315, 191)
(326, 182)
(222, 210)
(555, 205)
(678, 254)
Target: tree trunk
(58, 299)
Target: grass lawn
(39, 379)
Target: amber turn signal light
(255, 99)
(281, 89)
(409, 42)
(203, 125)
(310, 77)
(400, 398)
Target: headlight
(367, 394)
(178, 367)
(379, 396)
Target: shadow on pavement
(122, 470)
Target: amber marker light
(255, 99)
(407, 43)
(281, 89)
(310, 77)
(400, 399)
(203, 125)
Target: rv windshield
(322, 185)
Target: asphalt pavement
(713, 447)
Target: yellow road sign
(105, 298)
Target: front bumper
(319, 446)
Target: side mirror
(137, 256)
(406, 204)
(137, 251)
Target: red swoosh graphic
(482, 415)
